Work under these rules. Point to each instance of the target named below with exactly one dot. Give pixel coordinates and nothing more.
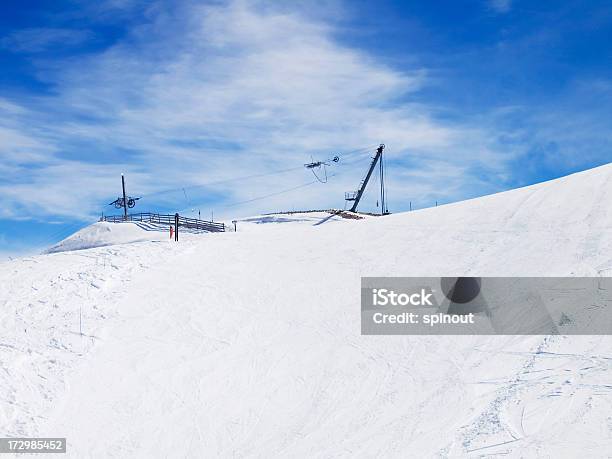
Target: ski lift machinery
(318, 165)
(355, 196)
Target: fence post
(176, 225)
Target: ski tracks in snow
(549, 406)
(53, 308)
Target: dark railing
(192, 223)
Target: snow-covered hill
(103, 234)
(248, 343)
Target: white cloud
(500, 6)
(212, 92)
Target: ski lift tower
(355, 196)
(124, 202)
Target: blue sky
(470, 98)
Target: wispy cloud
(236, 90)
(202, 93)
(500, 6)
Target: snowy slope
(103, 234)
(248, 343)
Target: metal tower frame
(356, 196)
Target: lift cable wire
(277, 193)
(217, 182)
(383, 184)
(336, 161)
(319, 179)
(346, 167)
(280, 192)
(350, 154)
(288, 190)
(358, 151)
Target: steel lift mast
(356, 196)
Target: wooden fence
(192, 223)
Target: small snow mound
(103, 234)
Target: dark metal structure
(355, 196)
(314, 164)
(318, 165)
(124, 202)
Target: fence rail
(193, 223)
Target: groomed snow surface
(248, 344)
(103, 234)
